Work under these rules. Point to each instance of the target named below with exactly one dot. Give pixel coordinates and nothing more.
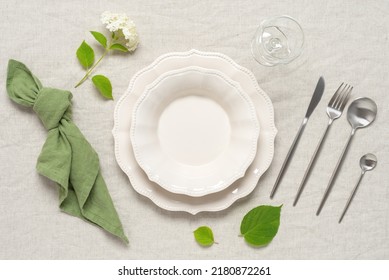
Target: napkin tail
(88, 213)
(64, 159)
(93, 209)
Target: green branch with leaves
(123, 38)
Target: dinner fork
(334, 111)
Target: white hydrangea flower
(122, 23)
(132, 38)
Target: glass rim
(260, 29)
(263, 22)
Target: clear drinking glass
(278, 40)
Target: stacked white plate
(194, 132)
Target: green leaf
(260, 225)
(104, 86)
(100, 38)
(118, 47)
(85, 55)
(204, 236)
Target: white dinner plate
(194, 131)
(178, 202)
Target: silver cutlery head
(361, 112)
(368, 162)
(317, 94)
(338, 101)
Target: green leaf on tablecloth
(118, 47)
(85, 55)
(104, 86)
(204, 236)
(100, 38)
(260, 225)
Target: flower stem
(92, 68)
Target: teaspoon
(367, 163)
(361, 112)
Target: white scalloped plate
(194, 131)
(122, 130)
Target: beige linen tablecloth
(345, 41)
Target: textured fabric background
(345, 41)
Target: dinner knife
(317, 94)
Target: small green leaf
(104, 86)
(118, 47)
(204, 236)
(100, 38)
(85, 55)
(260, 225)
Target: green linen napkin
(66, 158)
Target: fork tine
(341, 96)
(335, 96)
(345, 99)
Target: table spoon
(367, 162)
(361, 112)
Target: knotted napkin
(66, 158)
